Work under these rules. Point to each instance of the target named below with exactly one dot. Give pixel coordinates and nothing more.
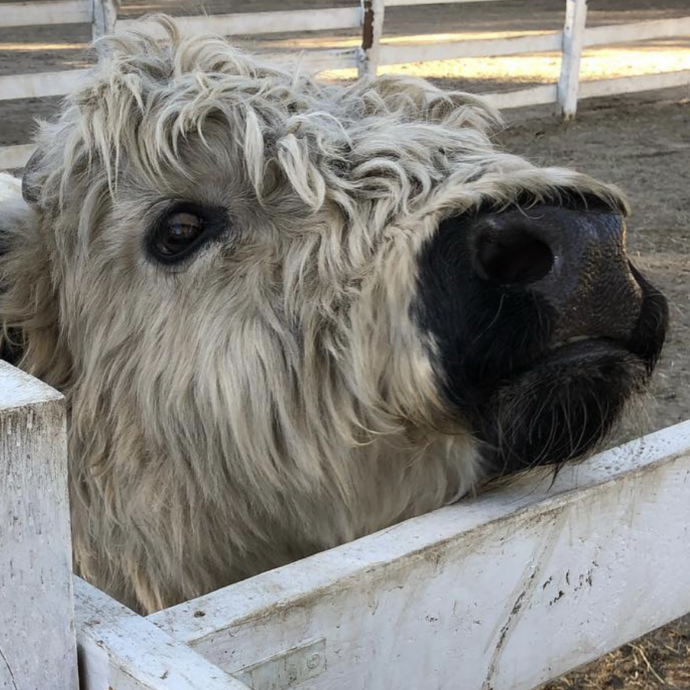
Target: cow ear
(31, 185)
(20, 267)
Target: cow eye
(177, 233)
(182, 230)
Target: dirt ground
(642, 143)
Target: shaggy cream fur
(274, 396)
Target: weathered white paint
(120, 650)
(104, 17)
(401, 3)
(40, 13)
(573, 37)
(534, 95)
(504, 591)
(318, 60)
(15, 156)
(38, 85)
(260, 22)
(398, 54)
(372, 31)
(645, 82)
(37, 645)
(639, 31)
(10, 188)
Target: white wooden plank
(15, 156)
(535, 95)
(573, 37)
(37, 645)
(104, 17)
(645, 82)
(639, 31)
(372, 31)
(398, 54)
(407, 3)
(18, 389)
(42, 13)
(504, 591)
(317, 60)
(10, 188)
(120, 650)
(39, 85)
(259, 22)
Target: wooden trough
(501, 592)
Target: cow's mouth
(580, 349)
(565, 402)
(542, 329)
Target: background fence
(372, 53)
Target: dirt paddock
(642, 143)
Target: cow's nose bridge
(575, 260)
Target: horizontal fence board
(504, 591)
(317, 60)
(535, 95)
(639, 31)
(408, 3)
(15, 156)
(39, 85)
(395, 54)
(120, 650)
(645, 82)
(258, 22)
(43, 13)
(313, 61)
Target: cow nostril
(518, 261)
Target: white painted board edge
(634, 84)
(120, 650)
(638, 31)
(39, 85)
(253, 23)
(505, 591)
(534, 95)
(399, 54)
(44, 13)
(12, 157)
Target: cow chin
(562, 408)
(566, 402)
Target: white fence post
(373, 12)
(573, 39)
(104, 17)
(37, 640)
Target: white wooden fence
(502, 592)
(369, 16)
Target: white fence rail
(33, 13)
(505, 591)
(372, 53)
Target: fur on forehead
(398, 143)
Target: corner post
(37, 634)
